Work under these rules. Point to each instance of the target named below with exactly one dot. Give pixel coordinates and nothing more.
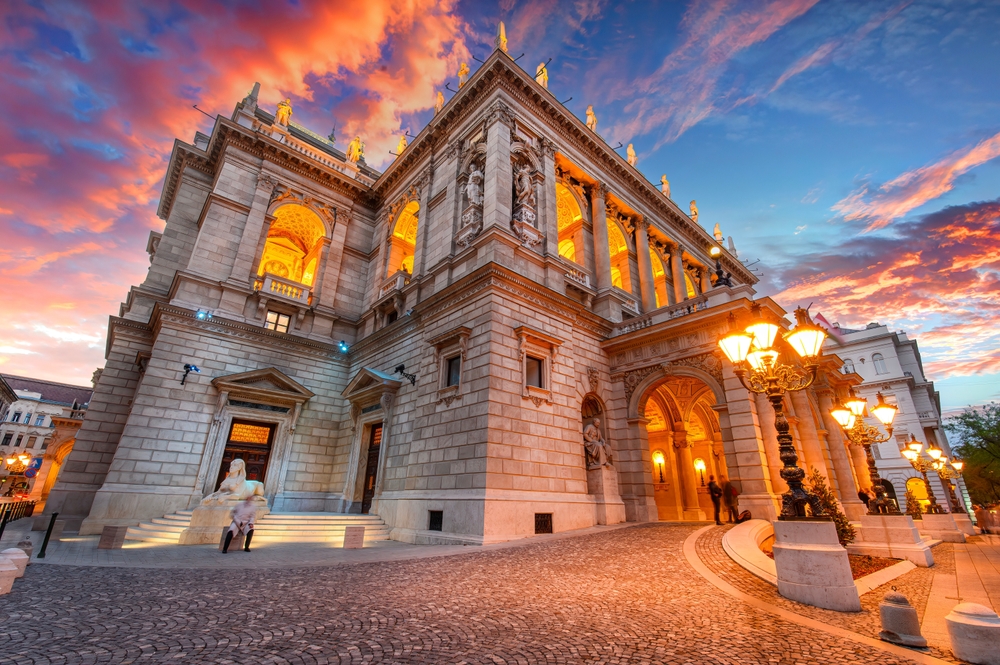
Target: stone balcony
(395, 282)
(716, 296)
(273, 286)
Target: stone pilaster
(677, 271)
(748, 461)
(498, 176)
(241, 274)
(602, 251)
(646, 287)
(839, 457)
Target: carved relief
(593, 378)
(634, 377)
(500, 112)
(706, 362)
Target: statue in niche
(401, 146)
(598, 450)
(235, 487)
(694, 212)
(524, 187)
(438, 102)
(284, 112)
(355, 150)
(632, 159)
(474, 187)
(542, 75)
(665, 185)
(463, 75)
(718, 233)
(591, 119)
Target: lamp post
(699, 465)
(948, 471)
(720, 278)
(851, 417)
(658, 460)
(16, 464)
(755, 363)
(922, 464)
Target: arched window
(689, 284)
(659, 279)
(570, 220)
(848, 367)
(294, 245)
(621, 276)
(403, 240)
(879, 363)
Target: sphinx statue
(235, 487)
(284, 112)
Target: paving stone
(618, 596)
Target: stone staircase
(272, 528)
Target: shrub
(816, 484)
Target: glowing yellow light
(958, 464)
(856, 404)
(915, 445)
(760, 360)
(883, 411)
(699, 464)
(658, 457)
(736, 346)
(807, 340)
(934, 452)
(910, 454)
(763, 334)
(715, 252)
(841, 414)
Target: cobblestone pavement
(915, 585)
(622, 596)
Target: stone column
(498, 177)
(246, 254)
(811, 447)
(685, 465)
(706, 282)
(646, 286)
(602, 252)
(330, 276)
(747, 462)
(677, 270)
(771, 448)
(549, 213)
(839, 457)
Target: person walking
(730, 496)
(244, 514)
(715, 492)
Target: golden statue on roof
(355, 150)
(463, 75)
(284, 112)
(542, 75)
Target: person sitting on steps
(243, 514)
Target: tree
(828, 500)
(913, 507)
(977, 431)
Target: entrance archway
(685, 444)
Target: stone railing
(662, 314)
(395, 283)
(631, 304)
(685, 307)
(925, 415)
(632, 325)
(579, 277)
(285, 288)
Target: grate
(436, 520)
(543, 522)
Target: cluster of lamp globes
(755, 345)
(17, 463)
(939, 461)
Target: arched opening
(919, 491)
(661, 281)
(685, 446)
(692, 291)
(294, 245)
(621, 275)
(570, 221)
(403, 241)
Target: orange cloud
(913, 189)
(23, 160)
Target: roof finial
(501, 40)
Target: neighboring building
(889, 362)
(434, 343)
(41, 422)
(7, 397)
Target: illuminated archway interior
(294, 244)
(403, 240)
(682, 427)
(570, 220)
(661, 281)
(620, 273)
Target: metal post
(3, 521)
(48, 534)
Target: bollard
(975, 632)
(900, 624)
(48, 534)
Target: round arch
(619, 248)
(403, 239)
(295, 241)
(641, 388)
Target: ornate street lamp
(755, 363)
(851, 417)
(720, 278)
(911, 451)
(948, 471)
(17, 464)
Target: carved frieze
(634, 377)
(593, 378)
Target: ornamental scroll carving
(634, 377)
(500, 112)
(706, 362)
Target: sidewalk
(975, 579)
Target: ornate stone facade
(436, 337)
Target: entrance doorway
(371, 468)
(250, 442)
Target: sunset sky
(852, 147)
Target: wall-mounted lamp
(658, 460)
(343, 346)
(202, 315)
(188, 368)
(401, 369)
(699, 465)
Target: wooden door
(371, 468)
(250, 442)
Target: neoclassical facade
(508, 331)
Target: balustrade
(395, 283)
(285, 288)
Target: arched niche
(294, 244)
(403, 239)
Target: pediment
(370, 381)
(268, 383)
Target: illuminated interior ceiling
(654, 416)
(657, 264)
(299, 224)
(294, 240)
(616, 239)
(567, 249)
(406, 224)
(568, 210)
(691, 293)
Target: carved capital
(500, 112)
(266, 182)
(548, 147)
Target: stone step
(275, 527)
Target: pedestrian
(863, 495)
(715, 492)
(730, 496)
(243, 515)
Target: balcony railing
(579, 277)
(662, 314)
(285, 288)
(395, 282)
